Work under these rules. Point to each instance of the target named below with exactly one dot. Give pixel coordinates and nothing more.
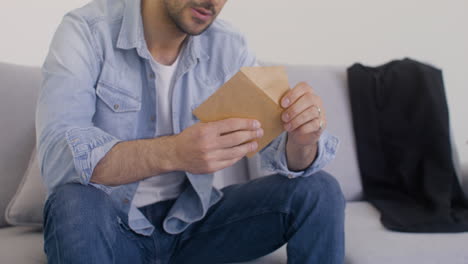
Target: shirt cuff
(273, 157)
(89, 146)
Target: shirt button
(290, 176)
(116, 106)
(125, 201)
(153, 118)
(151, 75)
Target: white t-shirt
(169, 185)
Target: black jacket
(401, 123)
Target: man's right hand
(209, 147)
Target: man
(129, 169)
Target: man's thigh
(82, 226)
(252, 220)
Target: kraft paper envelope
(254, 92)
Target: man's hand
(209, 147)
(304, 119)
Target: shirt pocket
(117, 111)
(119, 101)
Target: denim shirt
(98, 89)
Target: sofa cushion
(368, 242)
(21, 245)
(27, 205)
(331, 84)
(18, 90)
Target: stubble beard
(177, 16)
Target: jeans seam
(292, 228)
(57, 247)
(57, 244)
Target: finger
(226, 163)
(306, 116)
(235, 124)
(238, 137)
(237, 151)
(305, 101)
(292, 95)
(310, 127)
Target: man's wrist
(165, 154)
(300, 157)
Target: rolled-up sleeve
(273, 157)
(88, 146)
(69, 145)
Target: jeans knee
(77, 220)
(77, 204)
(323, 190)
(331, 189)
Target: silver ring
(320, 124)
(318, 110)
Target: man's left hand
(304, 116)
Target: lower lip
(200, 15)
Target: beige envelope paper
(254, 92)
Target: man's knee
(330, 188)
(75, 195)
(320, 190)
(77, 204)
(79, 219)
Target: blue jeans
(253, 219)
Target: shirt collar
(131, 34)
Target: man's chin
(194, 28)
(196, 33)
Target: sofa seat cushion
(368, 242)
(21, 245)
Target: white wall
(303, 31)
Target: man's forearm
(132, 161)
(300, 157)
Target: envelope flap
(272, 80)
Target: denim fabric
(251, 220)
(98, 89)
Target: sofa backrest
(19, 86)
(331, 84)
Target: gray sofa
(367, 241)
